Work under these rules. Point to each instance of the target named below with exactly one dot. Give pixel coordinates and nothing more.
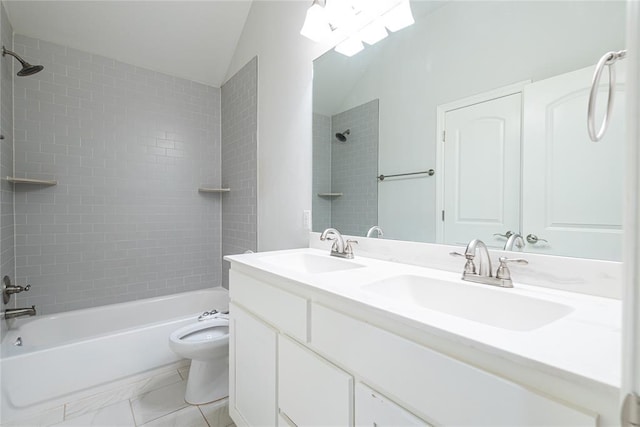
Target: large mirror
(471, 123)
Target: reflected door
(482, 171)
(572, 187)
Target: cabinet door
(373, 410)
(252, 364)
(311, 391)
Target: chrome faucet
(484, 264)
(339, 247)
(373, 230)
(484, 273)
(11, 313)
(514, 239)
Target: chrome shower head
(27, 69)
(342, 136)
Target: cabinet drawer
(373, 410)
(311, 391)
(283, 310)
(436, 387)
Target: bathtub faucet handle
(8, 289)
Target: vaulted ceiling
(190, 39)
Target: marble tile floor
(161, 406)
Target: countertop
(586, 343)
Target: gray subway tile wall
(354, 168)
(129, 147)
(239, 163)
(7, 257)
(321, 205)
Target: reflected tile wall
(129, 148)
(354, 168)
(321, 171)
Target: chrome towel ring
(608, 59)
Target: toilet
(206, 343)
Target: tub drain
(18, 342)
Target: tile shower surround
(7, 245)
(7, 261)
(239, 163)
(129, 148)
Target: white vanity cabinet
(311, 391)
(374, 410)
(252, 363)
(297, 361)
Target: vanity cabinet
(312, 391)
(252, 363)
(297, 361)
(374, 410)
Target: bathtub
(67, 353)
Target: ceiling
(194, 40)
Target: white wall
(285, 67)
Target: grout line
(203, 416)
(132, 414)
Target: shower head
(342, 136)
(27, 69)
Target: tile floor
(160, 404)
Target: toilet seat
(201, 340)
(210, 333)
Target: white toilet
(206, 343)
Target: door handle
(533, 239)
(505, 235)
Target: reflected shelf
(213, 190)
(16, 180)
(329, 194)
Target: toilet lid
(206, 334)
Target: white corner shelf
(213, 190)
(329, 194)
(15, 180)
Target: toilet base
(208, 381)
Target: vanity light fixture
(346, 24)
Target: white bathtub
(66, 353)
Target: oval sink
(494, 307)
(309, 263)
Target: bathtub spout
(11, 313)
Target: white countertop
(584, 343)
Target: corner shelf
(213, 190)
(15, 180)
(330, 194)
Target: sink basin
(494, 307)
(309, 263)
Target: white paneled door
(572, 187)
(482, 171)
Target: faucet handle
(469, 267)
(348, 249)
(504, 260)
(503, 271)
